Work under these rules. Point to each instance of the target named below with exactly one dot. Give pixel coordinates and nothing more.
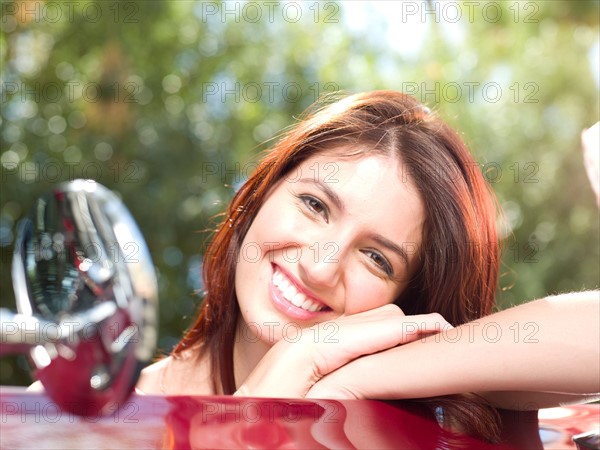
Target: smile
(289, 291)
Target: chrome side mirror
(87, 298)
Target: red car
(32, 420)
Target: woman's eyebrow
(337, 201)
(330, 193)
(392, 246)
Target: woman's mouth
(286, 291)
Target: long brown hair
(459, 255)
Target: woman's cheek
(365, 294)
(283, 227)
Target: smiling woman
(330, 247)
(365, 228)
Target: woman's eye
(379, 261)
(315, 205)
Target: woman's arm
(291, 368)
(550, 345)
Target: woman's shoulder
(150, 378)
(183, 374)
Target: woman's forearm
(550, 345)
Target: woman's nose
(321, 265)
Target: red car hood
(32, 420)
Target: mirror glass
(82, 270)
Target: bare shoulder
(181, 375)
(150, 378)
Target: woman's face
(337, 236)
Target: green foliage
(169, 103)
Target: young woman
(345, 262)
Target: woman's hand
(290, 369)
(547, 351)
(348, 382)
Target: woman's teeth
(292, 295)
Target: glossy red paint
(32, 420)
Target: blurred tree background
(169, 104)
